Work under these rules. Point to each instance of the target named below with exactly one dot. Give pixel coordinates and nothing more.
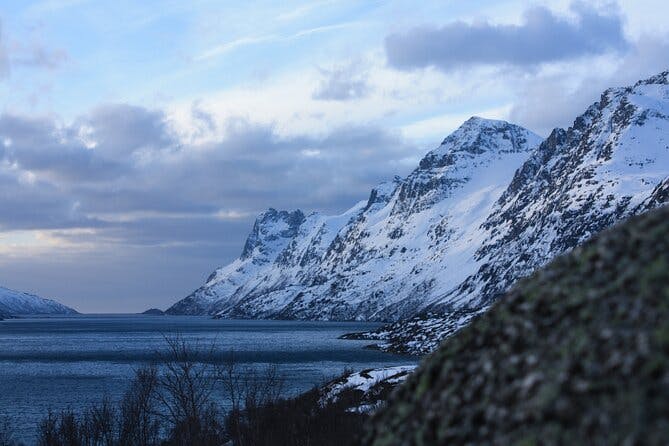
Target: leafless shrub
(60, 430)
(138, 422)
(248, 390)
(173, 402)
(98, 427)
(186, 383)
(6, 433)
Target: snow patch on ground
(365, 383)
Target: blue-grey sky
(138, 140)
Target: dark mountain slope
(578, 353)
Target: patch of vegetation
(578, 353)
(299, 421)
(173, 402)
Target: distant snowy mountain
(487, 207)
(384, 259)
(16, 303)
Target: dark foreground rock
(578, 353)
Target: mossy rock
(577, 353)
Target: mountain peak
(270, 226)
(658, 79)
(271, 215)
(477, 136)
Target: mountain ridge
(613, 162)
(327, 262)
(18, 303)
(488, 206)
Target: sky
(139, 140)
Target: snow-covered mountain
(612, 163)
(484, 209)
(384, 259)
(16, 303)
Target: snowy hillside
(487, 207)
(384, 259)
(16, 303)
(612, 163)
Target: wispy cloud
(223, 48)
(45, 6)
(304, 10)
(226, 47)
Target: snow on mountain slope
(17, 303)
(386, 259)
(481, 211)
(281, 246)
(612, 163)
(579, 182)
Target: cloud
(38, 56)
(304, 10)
(342, 84)
(4, 56)
(56, 153)
(227, 47)
(29, 204)
(121, 130)
(119, 164)
(31, 55)
(122, 203)
(542, 37)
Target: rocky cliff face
(16, 303)
(490, 205)
(384, 259)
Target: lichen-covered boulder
(577, 353)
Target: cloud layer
(542, 37)
(119, 163)
(342, 84)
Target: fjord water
(70, 362)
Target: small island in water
(154, 312)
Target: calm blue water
(71, 362)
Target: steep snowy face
(282, 248)
(612, 163)
(418, 242)
(271, 232)
(16, 303)
(385, 259)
